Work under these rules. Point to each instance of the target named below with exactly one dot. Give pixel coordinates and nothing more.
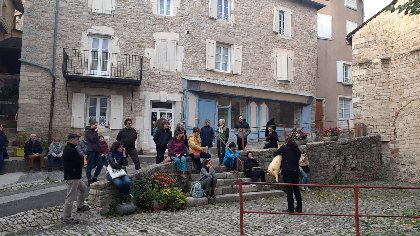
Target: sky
(373, 6)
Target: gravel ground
(223, 219)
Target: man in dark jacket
(3, 143)
(92, 140)
(269, 124)
(242, 131)
(128, 137)
(76, 188)
(252, 169)
(207, 135)
(33, 151)
(272, 139)
(161, 137)
(290, 171)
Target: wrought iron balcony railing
(103, 67)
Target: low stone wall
(344, 160)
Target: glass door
(99, 56)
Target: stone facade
(134, 28)
(386, 86)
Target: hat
(70, 136)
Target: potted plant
(299, 136)
(331, 134)
(19, 144)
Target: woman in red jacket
(177, 150)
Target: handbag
(115, 173)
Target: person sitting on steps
(33, 151)
(252, 169)
(117, 159)
(208, 179)
(196, 150)
(55, 153)
(178, 152)
(231, 155)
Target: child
(103, 149)
(304, 170)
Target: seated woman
(195, 149)
(272, 139)
(208, 179)
(252, 169)
(177, 151)
(231, 154)
(117, 159)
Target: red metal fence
(356, 214)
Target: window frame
(228, 66)
(165, 9)
(350, 23)
(99, 71)
(347, 67)
(223, 13)
(352, 5)
(282, 22)
(341, 110)
(98, 109)
(324, 16)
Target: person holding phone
(117, 159)
(196, 150)
(93, 147)
(253, 169)
(208, 179)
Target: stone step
(229, 182)
(230, 190)
(234, 197)
(223, 175)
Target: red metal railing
(356, 214)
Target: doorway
(161, 110)
(319, 114)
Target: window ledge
(284, 36)
(283, 81)
(223, 72)
(322, 38)
(352, 8)
(347, 84)
(101, 13)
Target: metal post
(348, 127)
(356, 209)
(241, 209)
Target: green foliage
(21, 139)
(175, 198)
(147, 198)
(412, 7)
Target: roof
(313, 4)
(349, 37)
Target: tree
(412, 7)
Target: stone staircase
(227, 191)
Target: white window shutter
(236, 59)
(288, 23)
(350, 26)
(154, 7)
(171, 55)
(97, 6)
(281, 66)
(340, 71)
(213, 9)
(350, 73)
(289, 68)
(113, 5)
(210, 54)
(116, 114)
(161, 54)
(276, 20)
(324, 26)
(107, 6)
(78, 110)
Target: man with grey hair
(33, 151)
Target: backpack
(196, 190)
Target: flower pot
(19, 152)
(301, 142)
(332, 138)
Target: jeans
(304, 175)
(93, 159)
(1, 159)
(292, 177)
(230, 163)
(51, 160)
(104, 161)
(122, 183)
(221, 149)
(180, 163)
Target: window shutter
(107, 6)
(161, 54)
(210, 54)
(288, 23)
(213, 9)
(276, 20)
(154, 7)
(171, 55)
(116, 114)
(289, 68)
(236, 59)
(78, 110)
(350, 26)
(281, 66)
(340, 71)
(324, 26)
(113, 5)
(97, 6)
(350, 74)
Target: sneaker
(288, 211)
(83, 208)
(302, 188)
(49, 169)
(61, 168)
(94, 179)
(70, 221)
(298, 210)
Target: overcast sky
(373, 6)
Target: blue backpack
(196, 190)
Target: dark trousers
(197, 162)
(1, 159)
(270, 145)
(221, 149)
(122, 183)
(231, 164)
(160, 154)
(134, 156)
(51, 160)
(239, 142)
(255, 175)
(208, 185)
(93, 159)
(292, 177)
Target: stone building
(186, 60)
(334, 84)
(386, 87)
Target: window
(283, 69)
(103, 6)
(166, 55)
(223, 9)
(344, 72)
(99, 56)
(351, 4)
(284, 112)
(222, 57)
(344, 108)
(282, 22)
(350, 26)
(165, 7)
(98, 110)
(324, 26)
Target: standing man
(207, 135)
(76, 188)
(92, 139)
(242, 131)
(33, 151)
(3, 143)
(128, 137)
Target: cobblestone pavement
(223, 219)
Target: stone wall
(386, 88)
(350, 160)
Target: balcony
(102, 67)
